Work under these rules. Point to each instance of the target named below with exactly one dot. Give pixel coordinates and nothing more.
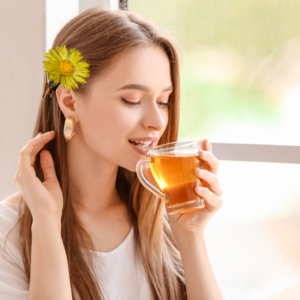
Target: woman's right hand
(44, 199)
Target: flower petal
(51, 67)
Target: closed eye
(137, 103)
(164, 103)
(129, 102)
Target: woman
(83, 225)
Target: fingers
(48, 167)
(211, 179)
(212, 202)
(30, 150)
(207, 145)
(27, 156)
(40, 141)
(211, 161)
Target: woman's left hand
(192, 224)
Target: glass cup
(173, 168)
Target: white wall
(22, 47)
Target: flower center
(65, 68)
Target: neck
(92, 180)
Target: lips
(145, 139)
(142, 145)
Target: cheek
(106, 126)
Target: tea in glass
(173, 167)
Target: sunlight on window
(58, 14)
(253, 241)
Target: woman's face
(126, 106)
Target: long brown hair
(103, 35)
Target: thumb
(47, 165)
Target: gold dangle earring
(69, 129)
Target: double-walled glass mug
(173, 168)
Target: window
(241, 89)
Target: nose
(154, 118)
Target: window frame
(257, 153)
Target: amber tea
(174, 173)
(173, 167)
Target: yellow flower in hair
(63, 66)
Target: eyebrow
(135, 86)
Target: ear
(67, 102)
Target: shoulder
(13, 282)
(13, 201)
(9, 216)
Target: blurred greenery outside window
(241, 67)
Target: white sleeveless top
(122, 276)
